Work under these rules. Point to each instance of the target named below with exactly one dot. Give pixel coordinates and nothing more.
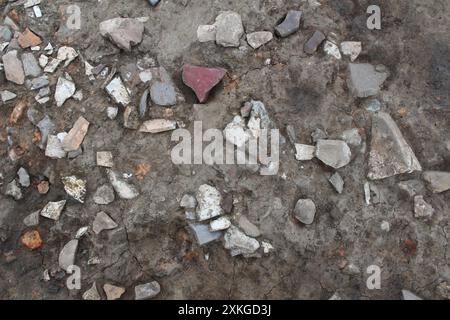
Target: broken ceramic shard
(75, 137)
(103, 222)
(158, 125)
(390, 154)
(201, 79)
(118, 92)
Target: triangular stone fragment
(390, 154)
(103, 222)
(201, 79)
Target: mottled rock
(314, 42)
(209, 200)
(163, 94)
(203, 234)
(188, 201)
(67, 254)
(219, 224)
(92, 293)
(75, 187)
(337, 182)
(147, 291)
(202, 80)
(239, 243)
(352, 137)
(390, 154)
(158, 125)
(103, 222)
(332, 49)
(305, 211)
(304, 152)
(206, 33)
(104, 195)
(24, 177)
(28, 39)
(75, 137)
(334, 153)
(364, 80)
(259, 38)
(67, 54)
(118, 92)
(32, 240)
(422, 209)
(13, 190)
(437, 181)
(123, 189)
(65, 89)
(411, 188)
(113, 292)
(105, 159)
(54, 148)
(112, 112)
(124, 32)
(13, 67)
(248, 227)
(229, 29)
(53, 210)
(30, 65)
(352, 49)
(290, 24)
(32, 219)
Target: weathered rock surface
(53, 210)
(229, 29)
(304, 152)
(113, 292)
(290, 24)
(334, 153)
(92, 293)
(422, 209)
(118, 92)
(13, 67)
(209, 200)
(104, 195)
(147, 291)
(259, 38)
(124, 32)
(103, 222)
(203, 234)
(123, 189)
(437, 181)
(75, 137)
(239, 243)
(158, 125)
(305, 211)
(314, 42)
(364, 80)
(75, 187)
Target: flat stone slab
(314, 42)
(76, 135)
(304, 152)
(203, 234)
(158, 126)
(259, 38)
(201, 79)
(147, 291)
(334, 153)
(290, 24)
(163, 94)
(437, 181)
(390, 154)
(124, 32)
(305, 211)
(229, 29)
(13, 67)
(364, 80)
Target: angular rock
(305, 211)
(158, 125)
(5, 34)
(67, 254)
(75, 187)
(314, 42)
(249, 228)
(364, 80)
(112, 112)
(390, 154)
(304, 152)
(290, 24)
(32, 219)
(352, 137)
(333, 153)
(422, 209)
(123, 189)
(143, 104)
(103, 222)
(30, 65)
(92, 293)
(118, 92)
(318, 134)
(105, 159)
(53, 210)
(163, 94)
(202, 80)
(52, 65)
(7, 95)
(67, 54)
(46, 127)
(54, 148)
(238, 243)
(124, 32)
(352, 49)
(75, 137)
(438, 181)
(203, 234)
(337, 182)
(229, 29)
(18, 111)
(408, 295)
(259, 38)
(13, 67)
(131, 118)
(332, 49)
(219, 224)
(104, 195)
(81, 232)
(206, 33)
(43, 60)
(38, 83)
(13, 190)
(64, 90)
(411, 188)
(24, 177)
(28, 39)
(147, 291)
(209, 200)
(188, 202)
(113, 292)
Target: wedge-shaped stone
(438, 181)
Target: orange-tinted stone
(29, 39)
(32, 240)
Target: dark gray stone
(314, 42)
(290, 24)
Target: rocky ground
(86, 176)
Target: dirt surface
(153, 241)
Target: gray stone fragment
(206, 33)
(143, 104)
(67, 254)
(123, 189)
(30, 65)
(209, 200)
(290, 24)
(64, 90)
(364, 80)
(24, 177)
(13, 67)
(249, 228)
(112, 112)
(131, 118)
(437, 181)
(147, 291)
(7, 95)
(352, 137)
(5, 34)
(105, 159)
(239, 243)
(337, 182)
(124, 32)
(411, 187)
(202, 233)
(314, 42)
(229, 29)
(351, 49)
(305, 211)
(75, 187)
(46, 127)
(118, 92)
(422, 209)
(259, 38)
(318, 134)
(92, 293)
(38, 83)
(32, 219)
(163, 94)
(408, 295)
(390, 154)
(104, 195)
(13, 190)
(334, 153)
(188, 201)
(103, 222)
(304, 152)
(53, 210)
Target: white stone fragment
(304, 152)
(209, 200)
